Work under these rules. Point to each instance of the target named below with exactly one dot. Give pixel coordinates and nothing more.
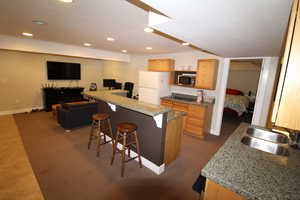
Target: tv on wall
(63, 71)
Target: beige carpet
(67, 170)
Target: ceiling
(85, 21)
(230, 28)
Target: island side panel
(151, 138)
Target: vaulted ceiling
(85, 21)
(228, 28)
(231, 28)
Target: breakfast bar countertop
(115, 97)
(254, 174)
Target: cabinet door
(288, 109)
(164, 65)
(214, 191)
(207, 74)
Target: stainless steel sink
(266, 146)
(266, 134)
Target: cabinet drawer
(180, 106)
(194, 121)
(196, 111)
(195, 130)
(167, 103)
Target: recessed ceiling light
(149, 30)
(185, 44)
(110, 39)
(149, 48)
(39, 22)
(87, 44)
(27, 34)
(67, 1)
(124, 51)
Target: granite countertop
(174, 114)
(254, 174)
(187, 102)
(115, 97)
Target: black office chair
(117, 86)
(110, 83)
(129, 87)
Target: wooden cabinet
(161, 65)
(206, 75)
(198, 120)
(214, 191)
(167, 103)
(173, 140)
(286, 112)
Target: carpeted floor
(66, 170)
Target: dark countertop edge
(130, 108)
(188, 102)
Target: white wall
(22, 75)
(244, 80)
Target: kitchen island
(250, 173)
(159, 127)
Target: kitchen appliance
(186, 79)
(153, 85)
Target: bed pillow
(233, 92)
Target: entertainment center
(56, 95)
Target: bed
(236, 101)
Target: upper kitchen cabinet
(206, 75)
(286, 112)
(161, 65)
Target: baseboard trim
(147, 163)
(214, 132)
(16, 111)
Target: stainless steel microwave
(188, 80)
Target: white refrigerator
(153, 85)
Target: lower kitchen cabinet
(198, 120)
(214, 191)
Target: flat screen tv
(63, 71)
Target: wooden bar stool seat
(100, 116)
(101, 128)
(127, 137)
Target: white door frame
(264, 91)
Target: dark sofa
(71, 116)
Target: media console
(52, 95)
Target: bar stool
(127, 136)
(100, 128)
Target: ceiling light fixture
(124, 51)
(148, 30)
(149, 48)
(185, 44)
(87, 44)
(27, 34)
(67, 1)
(39, 22)
(110, 39)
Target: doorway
(241, 92)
